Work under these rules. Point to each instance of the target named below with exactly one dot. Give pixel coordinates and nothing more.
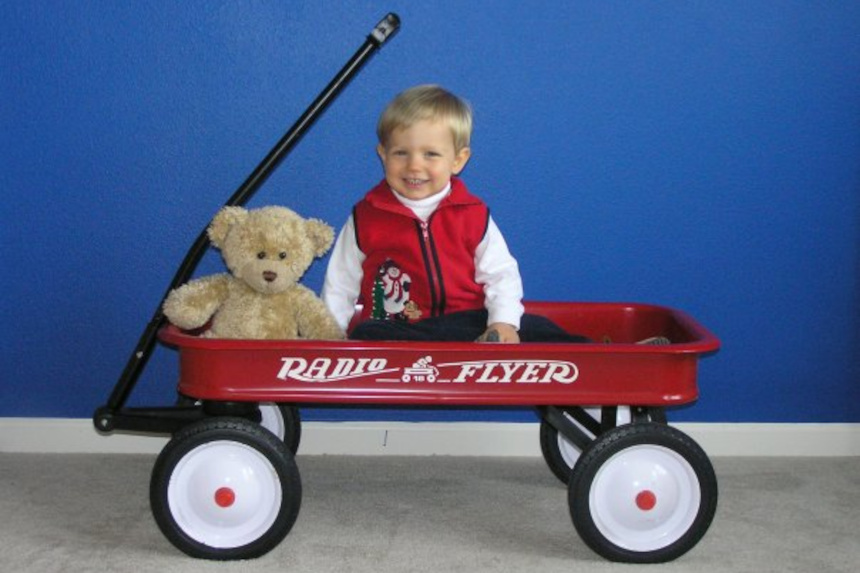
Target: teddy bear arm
(314, 319)
(193, 304)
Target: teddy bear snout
(270, 276)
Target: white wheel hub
(273, 420)
(224, 494)
(644, 498)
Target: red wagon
(641, 491)
(226, 486)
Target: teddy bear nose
(269, 276)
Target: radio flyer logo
(390, 296)
(424, 371)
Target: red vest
(415, 270)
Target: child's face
(419, 160)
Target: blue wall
(703, 155)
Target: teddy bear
(266, 250)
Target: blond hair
(427, 102)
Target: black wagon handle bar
(384, 30)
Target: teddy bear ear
(223, 221)
(320, 234)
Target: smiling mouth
(415, 182)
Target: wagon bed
(612, 370)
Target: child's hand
(500, 332)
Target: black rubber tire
(289, 423)
(625, 441)
(192, 442)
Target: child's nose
(415, 161)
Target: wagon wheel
(642, 493)
(561, 454)
(284, 421)
(225, 488)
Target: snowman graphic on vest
(391, 294)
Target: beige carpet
(78, 513)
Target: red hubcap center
(225, 497)
(646, 500)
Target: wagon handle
(105, 416)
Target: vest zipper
(431, 264)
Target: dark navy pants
(460, 327)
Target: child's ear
(461, 159)
(380, 150)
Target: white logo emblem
(423, 371)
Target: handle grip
(385, 29)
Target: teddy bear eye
(261, 255)
(282, 255)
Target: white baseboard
(74, 436)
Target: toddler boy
(422, 253)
